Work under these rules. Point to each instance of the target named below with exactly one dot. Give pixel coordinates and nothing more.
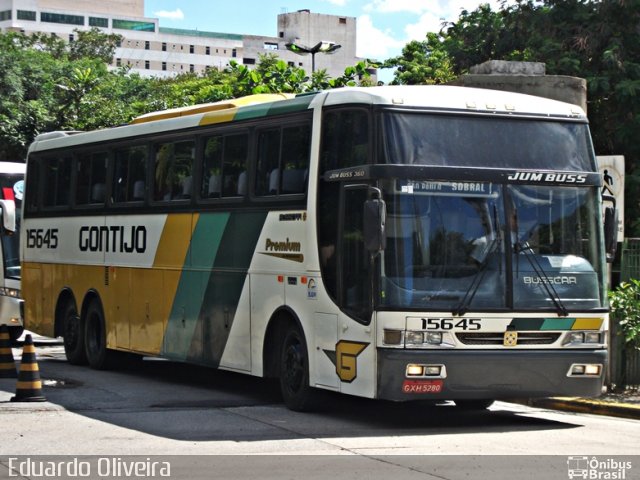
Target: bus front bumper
(478, 374)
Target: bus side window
(173, 170)
(268, 173)
(212, 168)
(295, 158)
(130, 174)
(57, 178)
(91, 178)
(236, 148)
(345, 139)
(283, 160)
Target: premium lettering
(285, 246)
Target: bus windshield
(416, 138)
(456, 246)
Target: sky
(383, 26)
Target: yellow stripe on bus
(587, 324)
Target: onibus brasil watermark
(594, 468)
(80, 468)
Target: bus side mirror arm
(8, 208)
(374, 219)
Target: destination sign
(425, 187)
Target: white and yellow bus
(402, 243)
(11, 193)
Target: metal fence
(625, 362)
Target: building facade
(152, 50)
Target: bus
(11, 193)
(404, 243)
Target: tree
(422, 62)
(95, 44)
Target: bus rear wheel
(73, 335)
(98, 356)
(294, 372)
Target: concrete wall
(519, 77)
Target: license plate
(422, 386)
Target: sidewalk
(626, 404)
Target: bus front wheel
(98, 356)
(73, 335)
(294, 372)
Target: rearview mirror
(375, 217)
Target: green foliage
(46, 84)
(422, 63)
(625, 306)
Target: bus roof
(433, 97)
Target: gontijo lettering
(115, 238)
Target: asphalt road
(161, 411)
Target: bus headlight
(585, 370)
(9, 292)
(577, 339)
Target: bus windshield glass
(471, 141)
(459, 246)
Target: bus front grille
(524, 338)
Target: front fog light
(592, 370)
(577, 370)
(415, 370)
(585, 370)
(432, 370)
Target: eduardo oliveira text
(74, 467)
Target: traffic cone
(7, 363)
(29, 386)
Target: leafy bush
(625, 306)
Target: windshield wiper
(463, 306)
(523, 247)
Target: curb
(584, 405)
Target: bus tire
(73, 335)
(473, 404)
(98, 356)
(294, 372)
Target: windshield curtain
(460, 246)
(490, 142)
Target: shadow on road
(186, 402)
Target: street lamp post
(320, 47)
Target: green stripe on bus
(187, 303)
(558, 323)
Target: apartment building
(153, 50)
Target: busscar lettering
(113, 239)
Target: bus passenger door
(355, 349)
